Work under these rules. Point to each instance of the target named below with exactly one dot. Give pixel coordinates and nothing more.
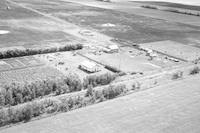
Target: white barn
(89, 66)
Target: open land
(125, 48)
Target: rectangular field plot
(175, 49)
(19, 63)
(4, 66)
(131, 60)
(29, 74)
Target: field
(186, 52)
(28, 74)
(126, 26)
(25, 69)
(19, 63)
(169, 108)
(27, 28)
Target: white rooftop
(113, 47)
(88, 64)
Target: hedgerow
(17, 93)
(27, 112)
(33, 51)
(96, 80)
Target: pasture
(168, 109)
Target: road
(172, 108)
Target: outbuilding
(89, 66)
(112, 48)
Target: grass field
(126, 26)
(132, 7)
(28, 28)
(186, 52)
(170, 108)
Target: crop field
(24, 69)
(116, 24)
(19, 63)
(172, 108)
(26, 28)
(28, 74)
(179, 50)
(131, 60)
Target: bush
(113, 91)
(27, 113)
(136, 86)
(194, 71)
(177, 75)
(149, 7)
(103, 79)
(89, 91)
(112, 69)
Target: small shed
(89, 66)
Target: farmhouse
(89, 66)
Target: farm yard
(68, 62)
(132, 60)
(60, 56)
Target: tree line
(27, 112)
(33, 51)
(17, 93)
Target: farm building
(89, 66)
(111, 49)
